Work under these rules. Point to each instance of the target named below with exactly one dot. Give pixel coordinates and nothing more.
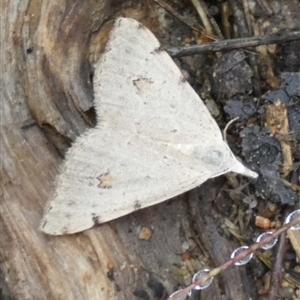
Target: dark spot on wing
(105, 180)
(120, 22)
(141, 26)
(137, 205)
(96, 219)
(183, 79)
(158, 50)
(71, 203)
(67, 215)
(143, 84)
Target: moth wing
(140, 90)
(107, 176)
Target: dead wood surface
(44, 85)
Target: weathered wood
(45, 72)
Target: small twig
(173, 12)
(235, 44)
(225, 13)
(239, 17)
(226, 128)
(266, 7)
(244, 32)
(237, 258)
(212, 20)
(203, 16)
(247, 15)
(278, 265)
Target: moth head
(221, 160)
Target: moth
(154, 138)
